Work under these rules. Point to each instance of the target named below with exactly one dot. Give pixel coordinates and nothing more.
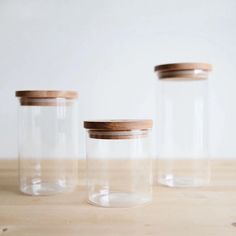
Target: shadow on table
(10, 189)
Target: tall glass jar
(119, 162)
(182, 124)
(47, 141)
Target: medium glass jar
(182, 124)
(47, 141)
(119, 162)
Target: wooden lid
(118, 125)
(47, 94)
(183, 66)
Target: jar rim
(121, 134)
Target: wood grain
(47, 94)
(118, 125)
(173, 212)
(183, 66)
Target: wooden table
(178, 212)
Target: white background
(106, 49)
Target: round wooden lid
(118, 125)
(183, 66)
(46, 94)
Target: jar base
(119, 199)
(173, 181)
(44, 189)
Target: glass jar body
(119, 168)
(183, 132)
(47, 140)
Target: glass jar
(47, 141)
(119, 162)
(182, 124)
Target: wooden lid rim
(47, 94)
(183, 66)
(97, 136)
(118, 125)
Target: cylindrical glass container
(119, 162)
(182, 124)
(47, 141)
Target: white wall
(106, 50)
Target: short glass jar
(47, 141)
(182, 122)
(119, 165)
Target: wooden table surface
(194, 211)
